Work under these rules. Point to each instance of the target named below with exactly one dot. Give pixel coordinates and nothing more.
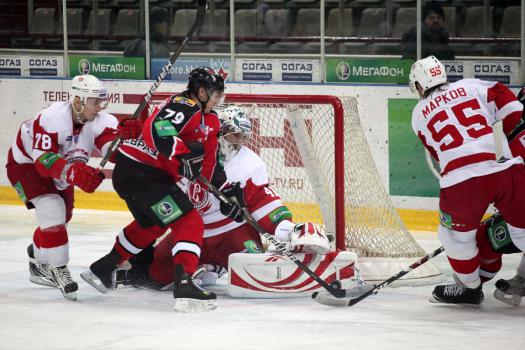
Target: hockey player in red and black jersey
(48, 158)
(222, 235)
(179, 140)
(493, 236)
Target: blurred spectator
(158, 20)
(434, 37)
(498, 8)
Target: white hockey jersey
(52, 130)
(248, 169)
(455, 125)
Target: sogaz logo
(165, 209)
(83, 66)
(343, 70)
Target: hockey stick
(336, 292)
(199, 19)
(359, 293)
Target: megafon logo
(84, 66)
(342, 70)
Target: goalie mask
(428, 73)
(236, 129)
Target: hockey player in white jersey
(454, 122)
(222, 235)
(48, 157)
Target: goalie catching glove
(308, 238)
(190, 163)
(234, 209)
(301, 238)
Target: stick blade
(325, 298)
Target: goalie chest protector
(275, 276)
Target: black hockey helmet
(207, 78)
(521, 95)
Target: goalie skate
(510, 291)
(189, 295)
(39, 273)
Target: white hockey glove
(208, 274)
(309, 238)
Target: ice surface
(34, 317)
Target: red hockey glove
(130, 128)
(84, 176)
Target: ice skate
(189, 295)
(457, 293)
(510, 291)
(39, 273)
(136, 276)
(63, 279)
(102, 273)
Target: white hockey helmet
(235, 130)
(427, 72)
(86, 86)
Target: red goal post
(320, 163)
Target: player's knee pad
(517, 235)
(189, 227)
(458, 245)
(50, 210)
(187, 234)
(133, 238)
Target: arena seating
(266, 25)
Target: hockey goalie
(233, 245)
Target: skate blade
(439, 301)
(168, 287)
(70, 296)
(94, 281)
(42, 281)
(194, 305)
(509, 299)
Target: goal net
(319, 162)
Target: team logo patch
(498, 234)
(20, 191)
(184, 100)
(165, 128)
(166, 210)
(280, 214)
(252, 247)
(48, 159)
(445, 219)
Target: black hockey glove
(190, 163)
(236, 196)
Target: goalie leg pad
(274, 276)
